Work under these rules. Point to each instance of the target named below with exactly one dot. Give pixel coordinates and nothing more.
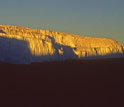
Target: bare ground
(96, 83)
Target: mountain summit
(26, 45)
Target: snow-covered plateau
(21, 45)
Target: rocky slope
(26, 45)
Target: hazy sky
(99, 18)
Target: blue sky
(96, 18)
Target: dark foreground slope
(97, 83)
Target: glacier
(22, 45)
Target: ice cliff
(26, 45)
